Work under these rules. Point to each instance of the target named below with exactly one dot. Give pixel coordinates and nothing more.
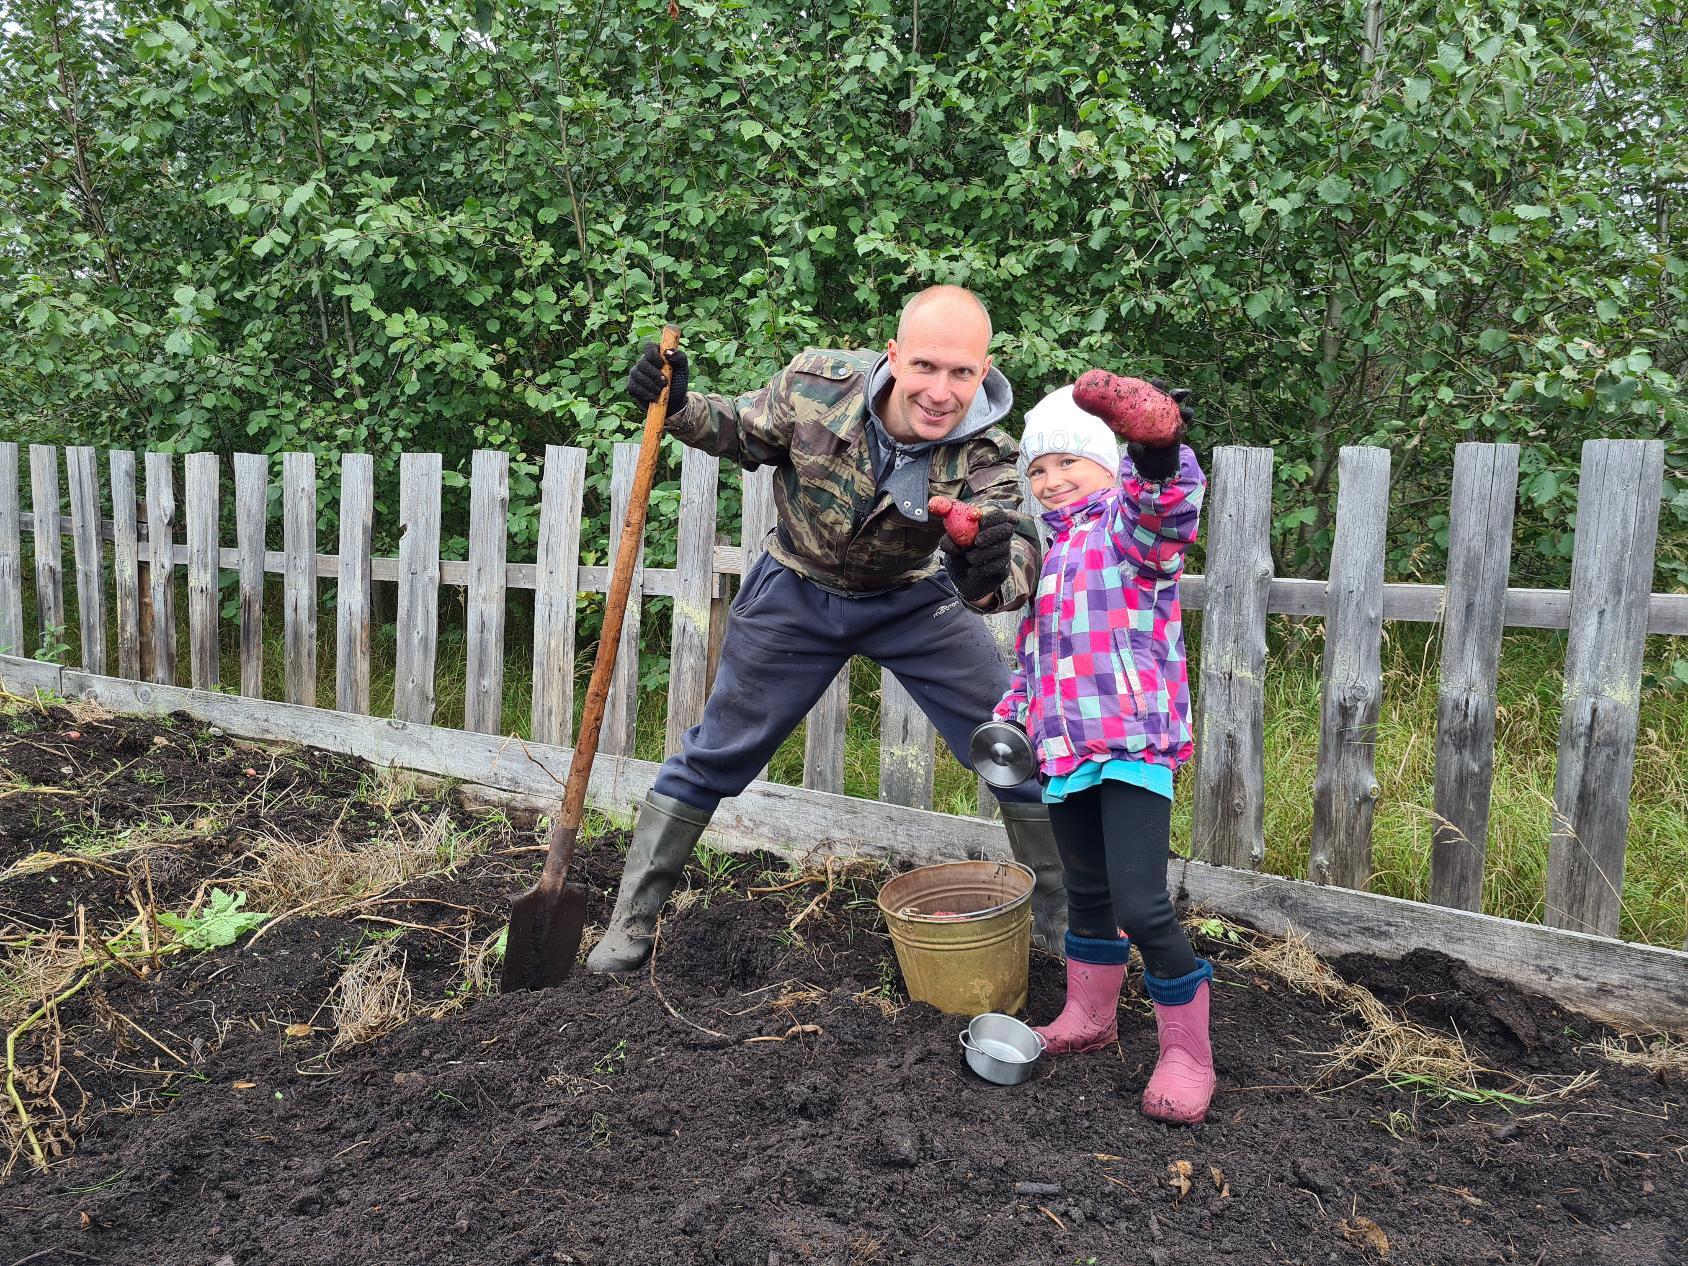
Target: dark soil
(763, 1097)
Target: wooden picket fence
(1609, 612)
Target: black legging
(1114, 839)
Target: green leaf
(1417, 92)
(1334, 189)
(1529, 212)
(749, 129)
(1493, 340)
(222, 922)
(299, 197)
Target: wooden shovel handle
(567, 824)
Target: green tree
(340, 224)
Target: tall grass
(1655, 883)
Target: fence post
(905, 746)
(489, 529)
(1611, 579)
(83, 477)
(200, 477)
(161, 564)
(694, 583)
(1229, 809)
(419, 586)
(299, 579)
(352, 584)
(621, 713)
(11, 554)
(555, 588)
(251, 514)
(125, 563)
(1345, 787)
(1473, 616)
(49, 547)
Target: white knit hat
(1055, 424)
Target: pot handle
(963, 1038)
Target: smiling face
(938, 361)
(1063, 479)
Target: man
(860, 441)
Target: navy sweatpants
(786, 641)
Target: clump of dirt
(765, 1094)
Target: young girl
(1101, 689)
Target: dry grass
(332, 874)
(481, 963)
(1383, 1046)
(35, 968)
(372, 996)
(1659, 1054)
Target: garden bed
(343, 1084)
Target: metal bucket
(963, 934)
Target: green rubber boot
(663, 839)
(1032, 840)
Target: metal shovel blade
(544, 936)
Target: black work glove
(1161, 463)
(979, 570)
(644, 384)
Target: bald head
(947, 305)
(938, 360)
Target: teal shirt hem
(1138, 773)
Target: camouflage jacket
(834, 524)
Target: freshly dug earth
(763, 1096)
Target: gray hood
(907, 479)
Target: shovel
(546, 920)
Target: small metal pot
(1001, 754)
(1000, 1048)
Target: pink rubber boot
(1090, 1018)
(1182, 1084)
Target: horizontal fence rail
(165, 512)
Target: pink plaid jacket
(1103, 644)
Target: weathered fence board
(757, 522)
(1611, 572)
(11, 555)
(824, 733)
(688, 660)
(200, 478)
(621, 712)
(419, 586)
(352, 595)
(299, 577)
(905, 746)
(1638, 985)
(83, 479)
(1229, 812)
(126, 562)
(1345, 785)
(49, 544)
(561, 490)
(489, 530)
(251, 520)
(1479, 558)
(161, 557)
